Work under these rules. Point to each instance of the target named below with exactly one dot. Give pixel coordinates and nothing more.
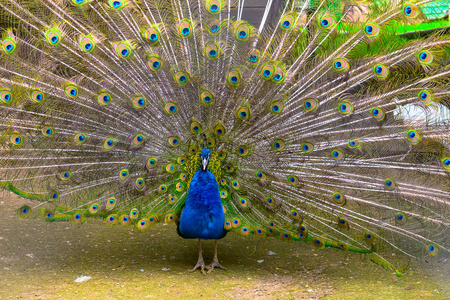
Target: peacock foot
(200, 265)
(215, 264)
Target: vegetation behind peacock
(106, 105)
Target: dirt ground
(40, 260)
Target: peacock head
(205, 156)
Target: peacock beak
(204, 164)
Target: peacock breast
(203, 215)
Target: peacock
(326, 125)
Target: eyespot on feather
(213, 27)
(16, 139)
(182, 78)
(53, 36)
(6, 96)
(36, 96)
(171, 108)
(138, 102)
(244, 113)
(124, 175)
(151, 34)
(278, 145)
(327, 21)
(125, 220)
(390, 184)
(219, 129)
(371, 30)
(79, 138)
(288, 21)
(24, 212)
(432, 249)
(310, 104)
(140, 184)
(212, 51)
(337, 154)
(261, 176)
(138, 140)
(123, 49)
(267, 71)
(293, 180)
(117, 4)
(369, 237)
(108, 144)
(87, 43)
(377, 113)
(381, 71)
(77, 218)
(71, 91)
(65, 175)
(173, 141)
(425, 57)
(341, 64)
(243, 151)
(339, 198)
(104, 98)
(345, 108)
(206, 98)
(307, 147)
(354, 143)
(47, 131)
(210, 142)
(94, 209)
(185, 28)
(110, 203)
(9, 45)
(234, 78)
(400, 218)
(155, 63)
(254, 57)
(214, 6)
(413, 136)
(446, 163)
(242, 31)
(410, 10)
(80, 3)
(426, 97)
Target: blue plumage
(203, 215)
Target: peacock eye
(341, 64)
(287, 21)
(371, 30)
(310, 104)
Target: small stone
(271, 253)
(83, 278)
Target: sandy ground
(39, 260)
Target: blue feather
(203, 215)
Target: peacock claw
(215, 264)
(200, 265)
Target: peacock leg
(215, 263)
(200, 263)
